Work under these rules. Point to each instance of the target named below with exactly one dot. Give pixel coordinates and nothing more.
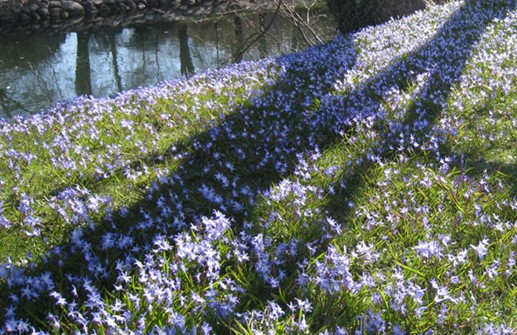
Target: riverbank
(42, 69)
(40, 15)
(365, 185)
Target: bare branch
(255, 37)
(300, 23)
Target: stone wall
(57, 13)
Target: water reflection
(83, 77)
(36, 71)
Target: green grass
(381, 201)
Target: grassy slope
(365, 184)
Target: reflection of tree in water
(186, 65)
(147, 44)
(263, 28)
(258, 35)
(83, 81)
(8, 103)
(114, 60)
(21, 57)
(28, 49)
(239, 36)
(131, 57)
(107, 40)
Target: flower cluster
(366, 185)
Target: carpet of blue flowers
(363, 186)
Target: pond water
(39, 70)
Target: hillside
(363, 186)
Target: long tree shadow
(223, 169)
(441, 62)
(228, 166)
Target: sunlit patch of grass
(117, 153)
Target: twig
(261, 34)
(299, 22)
